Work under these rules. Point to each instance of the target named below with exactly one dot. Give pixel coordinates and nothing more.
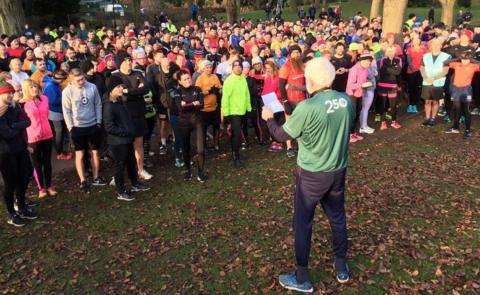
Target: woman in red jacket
(39, 135)
(270, 85)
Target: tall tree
(136, 10)
(447, 11)
(293, 5)
(375, 9)
(12, 16)
(233, 10)
(393, 15)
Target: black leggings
(59, 130)
(14, 168)
(414, 83)
(461, 108)
(42, 163)
(254, 118)
(123, 156)
(392, 101)
(357, 107)
(236, 137)
(186, 125)
(146, 138)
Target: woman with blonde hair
(389, 70)
(39, 135)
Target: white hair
(319, 74)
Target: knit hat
(293, 48)
(60, 75)
(113, 82)
(257, 60)
(6, 87)
(467, 55)
(245, 64)
(121, 56)
(366, 55)
(467, 33)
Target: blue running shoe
(462, 119)
(414, 109)
(409, 109)
(289, 281)
(446, 119)
(341, 268)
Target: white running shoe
(145, 175)
(367, 130)
(112, 182)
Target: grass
(413, 214)
(351, 8)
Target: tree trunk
(232, 7)
(293, 5)
(12, 17)
(375, 9)
(258, 4)
(393, 15)
(136, 10)
(324, 3)
(447, 11)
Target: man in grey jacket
(82, 111)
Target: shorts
(388, 92)
(432, 93)
(211, 118)
(140, 127)
(279, 117)
(84, 138)
(162, 113)
(462, 94)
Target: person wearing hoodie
(89, 68)
(39, 135)
(135, 88)
(14, 160)
(53, 91)
(120, 135)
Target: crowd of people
(93, 93)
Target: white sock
(164, 141)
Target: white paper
(270, 100)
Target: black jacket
(134, 99)
(118, 123)
(12, 129)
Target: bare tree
(393, 15)
(375, 9)
(12, 16)
(136, 5)
(293, 5)
(447, 11)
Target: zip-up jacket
(37, 111)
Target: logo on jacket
(84, 100)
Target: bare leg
(434, 108)
(79, 165)
(428, 109)
(95, 160)
(138, 147)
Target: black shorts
(211, 118)
(279, 117)
(432, 93)
(162, 112)
(140, 127)
(84, 138)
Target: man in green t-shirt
(321, 126)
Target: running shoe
(367, 130)
(125, 196)
(475, 111)
(426, 122)
(432, 122)
(244, 146)
(42, 193)
(201, 177)
(52, 192)
(112, 182)
(441, 111)
(179, 163)
(16, 220)
(187, 176)
(467, 134)
(377, 118)
(84, 187)
(289, 281)
(99, 181)
(410, 109)
(143, 174)
(452, 131)
(359, 137)
(353, 138)
(395, 125)
(28, 214)
(341, 269)
(290, 153)
(446, 119)
(163, 150)
(414, 109)
(388, 116)
(383, 126)
(462, 119)
(139, 187)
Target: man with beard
(292, 85)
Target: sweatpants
(14, 168)
(186, 125)
(41, 156)
(124, 157)
(328, 190)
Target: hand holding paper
(270, 100)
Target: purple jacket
(357, 75)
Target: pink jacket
(357, 75)
(37, 111)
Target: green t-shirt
(322, 126)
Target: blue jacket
(54, 93)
